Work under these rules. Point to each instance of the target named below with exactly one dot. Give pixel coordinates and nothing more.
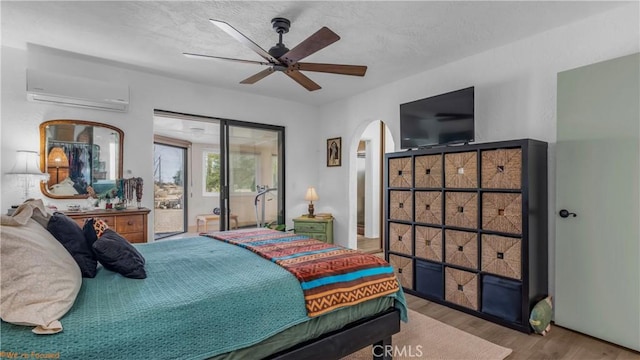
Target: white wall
(20, 119)
(515, 89)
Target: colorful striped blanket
(331, 276)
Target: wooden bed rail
(375, 330)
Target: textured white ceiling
(394, 39)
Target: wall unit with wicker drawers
(466, 226)
(130, 223)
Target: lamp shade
(57, 158)
(27, 164)
(311, 194)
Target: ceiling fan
(280, 58)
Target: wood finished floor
(559, 343)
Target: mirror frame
(43, 152)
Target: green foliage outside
(213, 173)
(243, 172)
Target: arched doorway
(373, 140)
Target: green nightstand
(317, 228)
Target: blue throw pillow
(115, 253)
(71, 236)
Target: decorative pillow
(115, 253)
(40, 280)
(71, 236)
(540, 319)
(93, 229)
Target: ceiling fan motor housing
(281, 25)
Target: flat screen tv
(438, 120)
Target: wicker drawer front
(400, 172)
(428, 243)
(400, 238)
(428, 171)
(461, 170)
(129, 224)
(403, 267)
(461, 209)
(502, 255)
(429, 207)
(502, 212)
(400, 205)
(311, 227)
(461, 287)
(501, 169)
(461, 248)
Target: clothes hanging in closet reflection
(82, 157)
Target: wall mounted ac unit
(60, 89)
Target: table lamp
(58, 159)
(311, 196)
(27, 171)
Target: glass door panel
(169, 189)
(254, 175)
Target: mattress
(202, 298)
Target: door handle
(564, 213)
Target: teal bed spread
(201, 298)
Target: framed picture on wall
(334, 151)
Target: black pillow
(115, 253)
(89, 233)
(70, 235)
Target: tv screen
(437, 120)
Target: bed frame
(375, 330)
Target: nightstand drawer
(311, 227)
(318, 228)
(317, 236)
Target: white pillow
(40, 279)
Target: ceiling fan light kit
(280, 58)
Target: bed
(196, 293)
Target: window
(211, 173)
(244, 170)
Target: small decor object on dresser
(334, 152)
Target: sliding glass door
(235, 172)
(255, 175)
(169, 188)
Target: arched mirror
(81, 157)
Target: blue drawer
(502, 298)
(429, 279)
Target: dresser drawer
(129, 223)
(137, 237)
(109, 220)
(310, 227)
(317, 236)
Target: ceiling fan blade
(354, 70)
(199, 56)
(259, 76)
(244, 40)
(318, 41)
(301, 79)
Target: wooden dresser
(130, 223)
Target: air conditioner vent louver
(66, 90)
